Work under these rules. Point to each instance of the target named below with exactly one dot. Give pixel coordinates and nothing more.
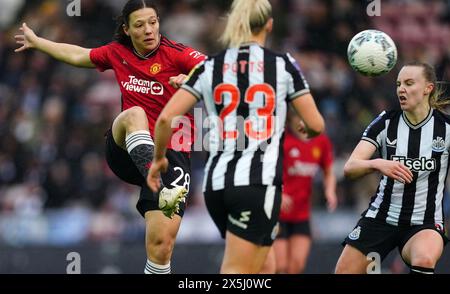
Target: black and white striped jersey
(424, 149)
(245, 92)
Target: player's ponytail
(246, 18)
(124, 19)
(436, 99)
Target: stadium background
(57, 194)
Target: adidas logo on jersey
(417, 164)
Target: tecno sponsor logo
(417, 164)
(143, 86)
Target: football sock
(140, 147)
(421, 270)
(153, 268)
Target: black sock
(418, 270)
(140, 146)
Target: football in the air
(372, 53)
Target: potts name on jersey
(417, 164)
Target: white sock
(137, 138)
(153, 268)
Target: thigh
(425, 243)
(270, 265)
(352, 261)
(253, 212)
(119, 161)
(242, 256)
(129, 120)
(299, 246)
(281, 249)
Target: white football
(372, 53)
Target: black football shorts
(250, 212)
(178, 173)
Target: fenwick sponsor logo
(417, 164)
(143, 86)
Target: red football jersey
(302, 160)
(145, 82)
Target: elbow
(317, 128)
(348, 172)
(163, 120)
(320, 128)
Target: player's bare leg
(423, 250)
(299, 246)
(160, 235)
(352, 261)
(281, 250)
(270, 265)
(242, 256)
(127, 122)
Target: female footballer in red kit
(148, 68)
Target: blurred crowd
(53, 175)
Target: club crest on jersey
(155, 68)
(316, 153)
(354, 235)
(294, 152)
(438, 145)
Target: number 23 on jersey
(265, 112)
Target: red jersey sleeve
(327, 151)
(100, 57)
(188, 58)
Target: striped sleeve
(297, 84)
(374, 131)
(193, 83)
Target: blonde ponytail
(246, 18)
(437, 101)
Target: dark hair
(429, 73)
(123, 19)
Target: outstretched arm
(71, 54)
(360, 164)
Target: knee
(160, 248)
(298, 267)
(134, 115)
(424, 261)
